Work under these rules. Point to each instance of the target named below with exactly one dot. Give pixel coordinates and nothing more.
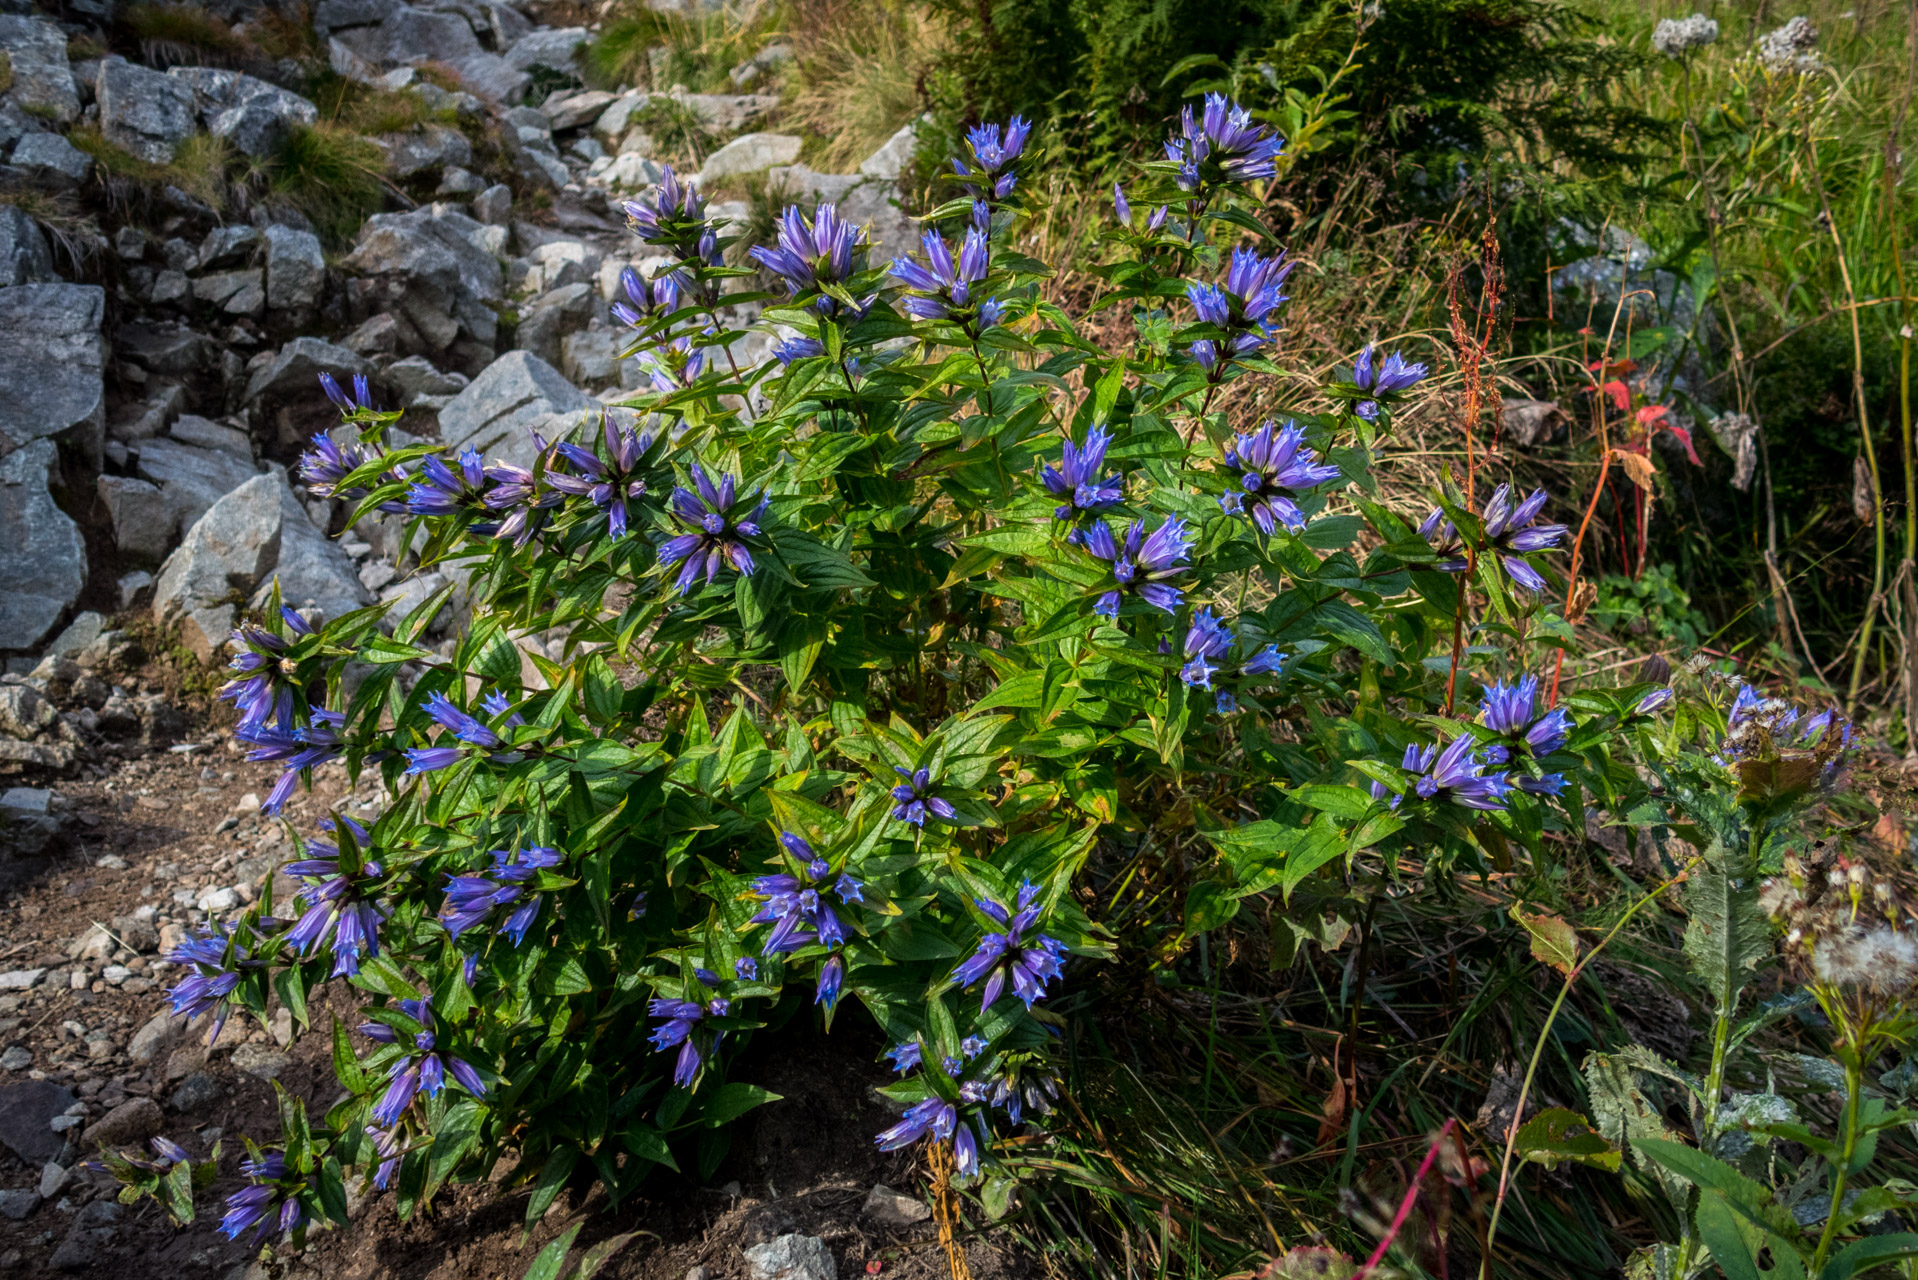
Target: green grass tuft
(332, 175)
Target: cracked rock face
(43, 559)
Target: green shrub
(332, 175)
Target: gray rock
(191, 479)
(409, 37)
(808, 184)
(80, 633)
(894, 1208)
(416, 375)
(314, 573)
(509, 25)
(159, 348)
(24, 712)
(887, 163)
(139, 935)
(554, 315)
(346, 63)
(334, 14)
(198, 1091)
(255, 116)
(791, 1257)
(493, 206)
(235, 245)
(24, 254)
(610, 126)
(37, 49)
(134, 588)
(261, 1061)
(48, 155)
(434, 272)
(17, 1205)
(750, 153)
(429, 146)
(491, 77)
(514, 392)
(229, 549)
(571, 110)
(51, 359)
(155, 1038)
(92, 1230)
(456, 181)
(142, 111)
(144, 522)
(134, 1120)
(728, 112)
(27, 1109)
(552, 48)
(591, 357)
(239, 293)
(295, 268)
(28, 800)
(296, 370)
(204, 433)
(43, 559)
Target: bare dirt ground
(157, 836)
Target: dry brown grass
(860, 68)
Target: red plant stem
(1578, 547)
(1405, 1205)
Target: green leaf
(1555, 1135)
(346, 1066)
(1724, 1235)
(1869, 1252)
(1554, 942)
(551, 1181)
(600, 1254)
(733, 1100)
(1726, 936)
(547, 1264)
(1208, 905)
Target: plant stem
(1854, 1085)
(1538, 1051)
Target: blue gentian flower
(1141, 565)
(1274, 464)
(1655, 701)
(269, 1202)
(214, 963)
(609, 481)
(1267, 661)
(717, 525)
(795, 905)
(915, 797)
(801, 348)
(473, 898)
(638, 907)
(746, 969)
(1017, 1089)
(823, 250)
(1511, 530)
(338, 907)
(386, 1147)
(1206, 640)
(422, 1069)
(360, 399)
(1525, 731)
(939, 1120)
(681, 1018)
(257, 692)
(989, 152)
(1008, 955)
(905, 1056)
(648, 303)
(673, 366)
(1077, 480)
(328, 462)
(941, 288)
(440, 491)
(1242, 306)
(675, 217)
(1223, 144)
(972, 1046)
(467, 728)
(1455, 775)
(298, 747)
(1394, 375)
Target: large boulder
(143, 111)
(556, 314)
(51, 360)
(571, 110)
(250, 539)
(432, 269)
(165, 348)
(49, 158)
(296, 370)
(24, 254)
(408, 37)
(428, 146)
(491, 76)
(331, 15)
(749, 153)
(43, 559)
(315, 575)
(552, 48)
(37, 50)
(295, 269)
(143, 520)
(517, 393)
(256, 117)
(190, 479)
(230, 548)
